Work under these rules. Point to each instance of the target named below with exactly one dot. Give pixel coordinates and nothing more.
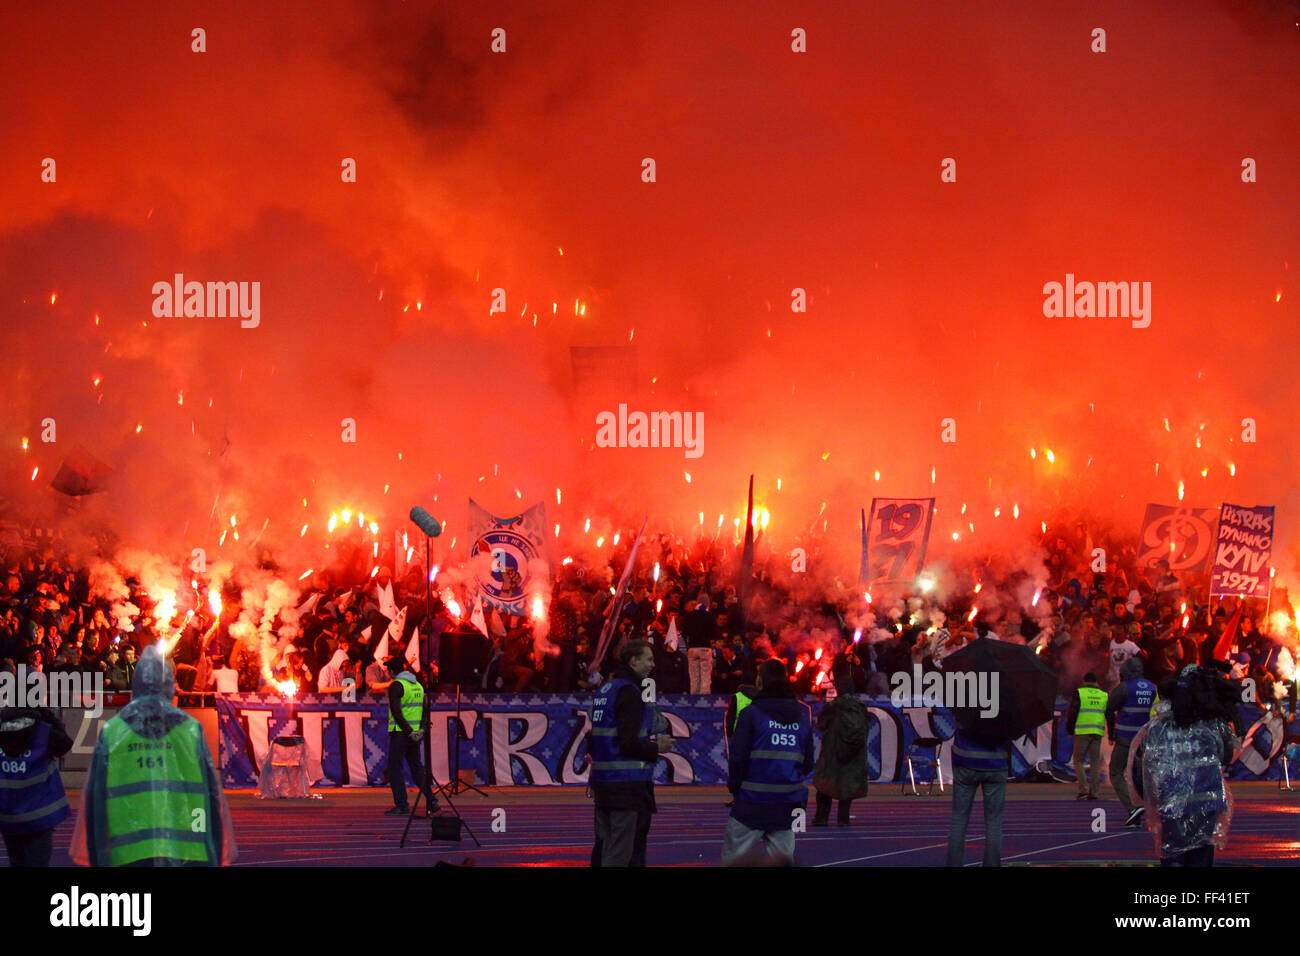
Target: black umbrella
(1026, 688)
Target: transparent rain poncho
(152, 716)
(1178, 773)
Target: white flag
(309, 605)
(671, 639)
(382, 650)
(413, 650)
(387, 605)
(397, 625)
(476, 617)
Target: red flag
(81, 474)
(1229, 637)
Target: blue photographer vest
(975, 752)
(608, 765)
(31, 790)
(774, 772)
(1139, 696)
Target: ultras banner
(540, 739)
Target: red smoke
(775, 170)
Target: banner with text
(1242, 551)
(898, 532)
(541, 739)
(516, 548)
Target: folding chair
(924, 752)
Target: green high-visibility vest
(152, 788)
(741, 702)
(412, 706)
(1092, 712)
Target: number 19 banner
(1242, 550)
(897, 535)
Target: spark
(1167, 425)
(587, 527)
(931, 475)
(1033, 453)
(1044, 524)
(305, 574)
(1015, 511)
(557, 530)
(35, 471)
(979, 587)
(567, 561)
(25, 444)
(973, 611)
(778, 484)
(877, 476)
(688, 476)
(826, 456)
(1051, 457)
(1180, 491)
(557, 496)
(1232, 469)
(616, 537)
(303, 531)
(600, 541)
(139, 428)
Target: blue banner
(540, 739)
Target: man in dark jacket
(623, 755)
(771, 755)
(699, 630)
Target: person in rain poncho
(152, 796)
(1176, 769)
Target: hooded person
(841, 772)
(152, 796)
(1176, 769)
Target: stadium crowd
(684, 599)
